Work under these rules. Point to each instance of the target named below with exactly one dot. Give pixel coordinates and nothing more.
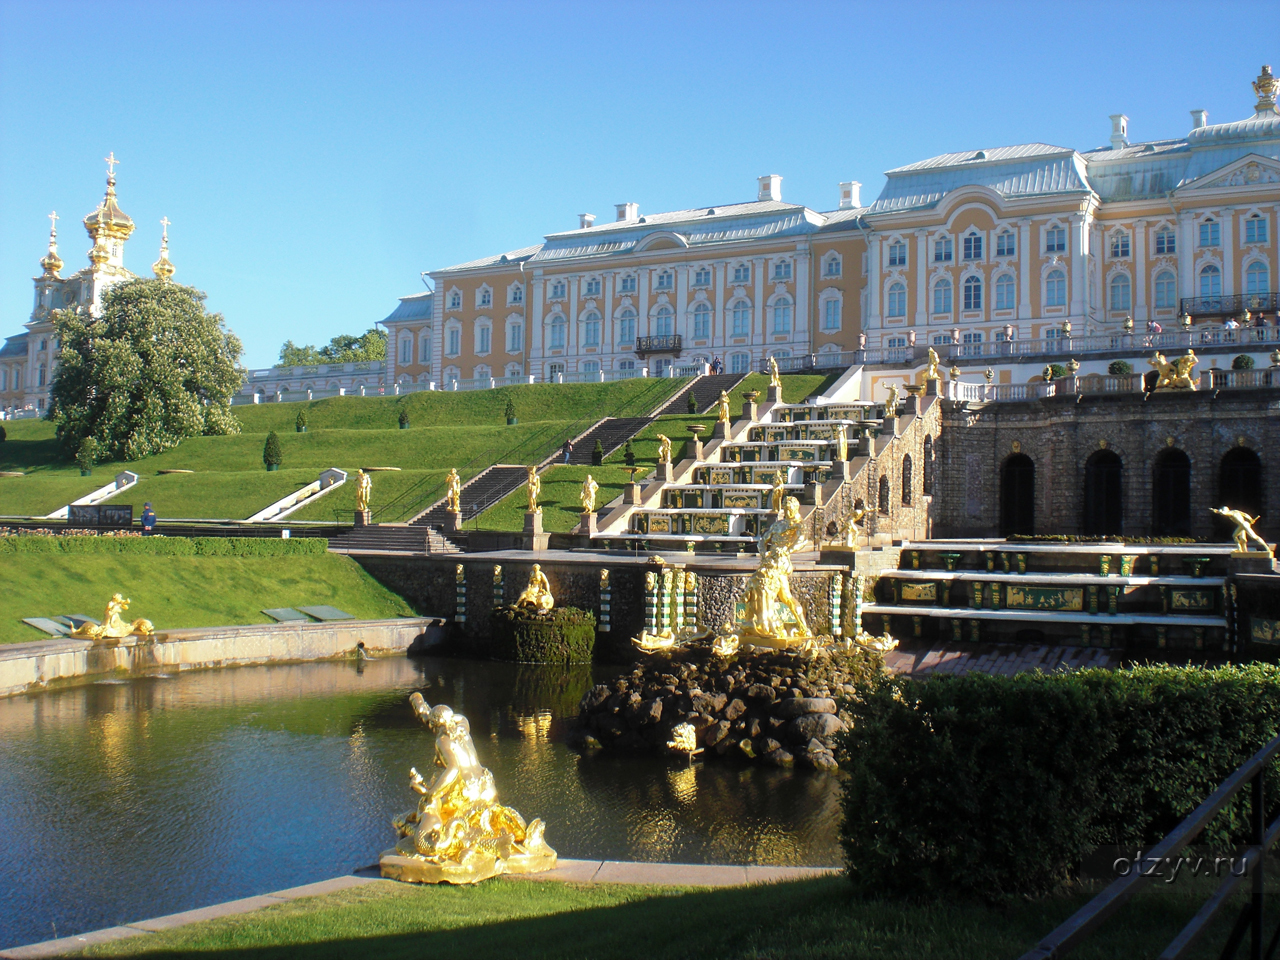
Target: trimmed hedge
(167, 546)
(996, 788)
(562, 635)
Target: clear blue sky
(315, 157)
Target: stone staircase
(612, 432)
(389, 538)
(1111, 595)
(706, 391)
(483, 490)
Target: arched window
(1166, 290)
(1257, 278)
(884, 494)
(782, 316)
(942, 296)
(1120, 298)
(455, 300)
(1006, 292)
(897, 300)
(1171, 495)
(1103, 494)
(927, 479)
(1055, 289)
(701, 320)
(591, 329)
(741, 318)
(627, 326)
(973, 292)
(515, 294)
(906, 480)
(663, 322)
(558, 328)
(1210, 281)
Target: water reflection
(127, 800)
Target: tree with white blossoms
(153, 369)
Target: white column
(572, 341)
(1079, 244)
(759, 332)
(802, 335)
(608, 342)
(1026, 256)
(922, 278)
(683, 324)
(874, 243)
(1186, 254)
(642, 303)
(536, 349)
(720, 330)
(1228, 252)
(1140, 312)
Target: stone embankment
(776, 707)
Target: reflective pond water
(129, 799)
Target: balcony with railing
(1199, 308)
(645, 346)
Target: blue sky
(315, 157)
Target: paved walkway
(575, 871)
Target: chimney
(770, 187)
(585, 220)
(1119, 131)
(627, 211)
(850, 192)
(1199, 118)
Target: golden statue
(775, 379)
(770, 584)
(664, 449)
(891, 405)
(459, 833)
(588, 495)
(932, 372)
(113, 626)
(453, 495)
(1244, 531)
(722, 407)
(535, 488)
(778, 491)
(849, 527)
(364, 489)
(1175, 375)
(684, 739)
(537, 594)
(842, 442)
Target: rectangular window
(1006, 295)
(486, 298)
(557, 336)
(833, 267)
(1165, 243)
(628, 284)
(741, 320)
(424, 348)
(1006, 245)
(973, 345)
(782, 270)
(1055, 240)
(896, 343)
(942, 297)
(782, 317)
(591, 366)
(557, 290)
(942, 251)
(1120, 245)
(973, 247)
(897, 254)
(1166, 291)
(591, 333)
(482, 340)
(742, 273)
(664, 281)
(626, 328)
(831, 315)
(1210, 234)
(593, 287)
(517, 295)
(702, 278)
(739, 363)
(1255, 230)
(455, 342)
(406, 351)
(515, 338)
(702, 322)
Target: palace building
(962, 250)
(28, 359)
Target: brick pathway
(1002, 659)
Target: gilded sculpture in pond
(1175, 374)
(535, 488)
(113, 626)
(453, 492)
(364, 490)
(770, 584)
(459, 833)
(1244, 531)
(588, 495)
(664, 449)
(537, 593)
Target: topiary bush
(301, 423)
(1119, 368)
(693, 403)
(272, 455)
(629, 454)
(404, 419)
(597, 454)
(996, 788)
(89, 453)
(561, 635)
(1242, 362)
(511, 412)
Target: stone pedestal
(862, 446)
(533, 522)
(452, 521)
(587, 525)
(364, 518)
(813, 494)
(773, 396)
(841, 470)
(631, 493)
(1254, 561)
(931, 388)
(665, 473)
(695, 447)
(721, 431)
(891, 425)
(749, 411)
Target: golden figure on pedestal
(588, 495)
(778, 491)
(113, 626)
(842, 442)
(722, 407)
(453, 494)
(891, 405)
(1244, 531)
(1176, 374)
(537, 594)
(932, 373)
(364, 490)
(849, 527)
(664, 449)
(770, 585)
(459, 833)
(775, 378)
(535, 488)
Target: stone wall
(1060, 433)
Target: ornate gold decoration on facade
(664, 449)
(162, 268)
(1244, 532)
(1016, 446)
(1176, 374)
(534, 488)
(113, 626)
(459, 833)
(52, 263)
(364, 490)
(775, 378)
(722, 407)
(453, 491)
(537, 595)
(588, 494)
(931, 373)
(955, 372)
(1266, 87)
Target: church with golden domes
(27, 360)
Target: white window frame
(1120, 247)
(515, 335)
(702, 319)
(1119, 283)
(1165, 237)
(939, 284)
(1051, 282)
(832, 265)
(591, 287)
(1166, 281)
(943, 250)
(702, 277)
(1057, 233)
(1206, 271)
(1006, 292)
(740, 310)
(973, 246)
(483, 338)
(898, 254)
(484, 296)
(832, 311)
(742, 273)
(1209, 233)
(1006, 244)
(624, 319)
(897, 292)
(591, 329)
(1258, 224)
(515, 294)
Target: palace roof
(416, 306)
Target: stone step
(1044, 577)
(1044, 616)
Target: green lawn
(185, 591)
(559, 499)
(532, 920)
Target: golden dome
(52, 263)
(109, 220)
(162, 268)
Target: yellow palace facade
(961, 251)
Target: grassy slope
(230, 482)
(537, 921)
(185, 591)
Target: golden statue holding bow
(453, 495)
(664, 449)
(113, 626)
(722, 407)
(535, 488)
(588, 495)
(1175, 375)
(364, 490)
(537, 594)
(1244, 531)
(459, 833)
(775, 378)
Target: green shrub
(996, 787)
(166, 546)
(88, 454)
(562, 635)
(3, 435)
(511, 411)
(271, 453)
(301, 423)
(629, 454)
(693, 403)
(1119, 368)
(1242, 362)
(404, 418)
(597, 454)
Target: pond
(128, 799)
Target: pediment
(662, 240)
(1248, 171)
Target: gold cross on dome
(111, 162)
(164, 222)
(53, 221)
